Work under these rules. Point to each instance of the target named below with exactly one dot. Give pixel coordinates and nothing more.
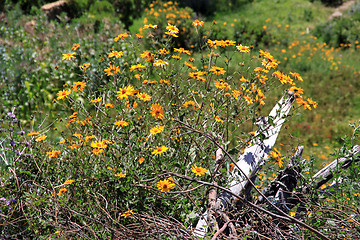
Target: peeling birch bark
(252, 157)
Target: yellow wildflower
(157, 130)
(125, 92)
(157, 111)
(217, 70)
(53, 153)
(79, 86)
(41, 138)
(75, 46)
(33, 133)
(127, 213)
(141, 160)
(62, 191)
(165, 185)
(96, 100)
(120, 175)
(199, 171)
(68, 56)
(116, 54)
(159, 150)
(63, 94)
(121, 123)
(68, 182)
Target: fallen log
(249, 162)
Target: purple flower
(12, 143)
(10, 115)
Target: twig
(283, 215)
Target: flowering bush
(135, 122)
(134, 143)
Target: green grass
(334, 89)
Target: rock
(2, 17)
(30, 26)
(53, 9)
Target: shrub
(341, 31)
(136, 130)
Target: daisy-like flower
(116, 54)
(163, 51)
(41, 138)
(97, 151)
(182, 50)
(143, 96)
(85, 66)
(139, 76)
(236, 94)
(109, 105)
(109, 71)
(160, 63)
(275, 154)
(121, 36)
(141, 160)
(146, 54)
(157, 111)
(96, 100)
(242, 79)
(98, 144)
(312, 102)
(120, 175)
(88, 138)
(68, 56)
(150, 26)
(75, 46)
(127, 213)
(138, 67)
(231, 166)
(248, 100)
(165, 185)
(167, 82)
(189, 65)
(63, 94)
(296, 76)
(196, 75)
(157, 130)
(189, 103)
(121, 123)
(62, 191)
(74, 146)
(243, 49)
(79, 86)
(33, 133)
(53, 153)
(197, 23)
(218, 119)
(220, 84)
(199, 171)
(297, 90)
(159, 150)
(125, 92)
(67, 182)
(217, 70)
(172, 28)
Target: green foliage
(98, 200)
(211, 7)
(341, 31)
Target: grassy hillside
(331, 74)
